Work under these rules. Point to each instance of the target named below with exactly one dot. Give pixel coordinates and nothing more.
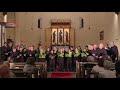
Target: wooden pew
(42, 69)
(83, 69)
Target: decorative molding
(61, 23)
(60, 20)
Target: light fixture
(117, 13)
(4, 13)
(5, 16)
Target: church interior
(59, 44)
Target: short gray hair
(90, 59)
(108, 64)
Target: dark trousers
(60, 64)
(52, 65)
(74, 63)
(113, 58)
(42, 60)
(69, 64)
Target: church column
(17, 35)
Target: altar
(60, 34)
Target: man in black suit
(14, 54)
(4, 52)
(20, 55)
(114, 52)
(102, 53)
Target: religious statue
(54, 36)
(67, 37)
(60, 36)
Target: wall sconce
(5, 16)
(117, 13)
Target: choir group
(60, 59)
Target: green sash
(69, 54)
(42, 55)
(76, 54)
(84, 54)
(60, 54)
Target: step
(61, 75)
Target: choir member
(52, 61)
(4, 52)
(95, 48)
(10, 46)
(42, 55)
(14, 54)
(95, 51)
(20, 56)
(107, 47)
(37, 53)
(68, 56)
(76, 54)
(47, 58)
(84, 54)
(102, 53)
(55, 51)
(90, 50)
(72, 57)
(25, 54)
(114, 52)
(31, 52)
(60, 60)
(79, 49)
(86, 48)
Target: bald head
(90, 47)
(95, 46)
(112, 44)
(101, 45)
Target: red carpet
(62, 75)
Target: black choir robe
(52, 62)
(20, 56)
(4, 53)
(31, 54)
(14, 56)
(114, 53)
(102, 54)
